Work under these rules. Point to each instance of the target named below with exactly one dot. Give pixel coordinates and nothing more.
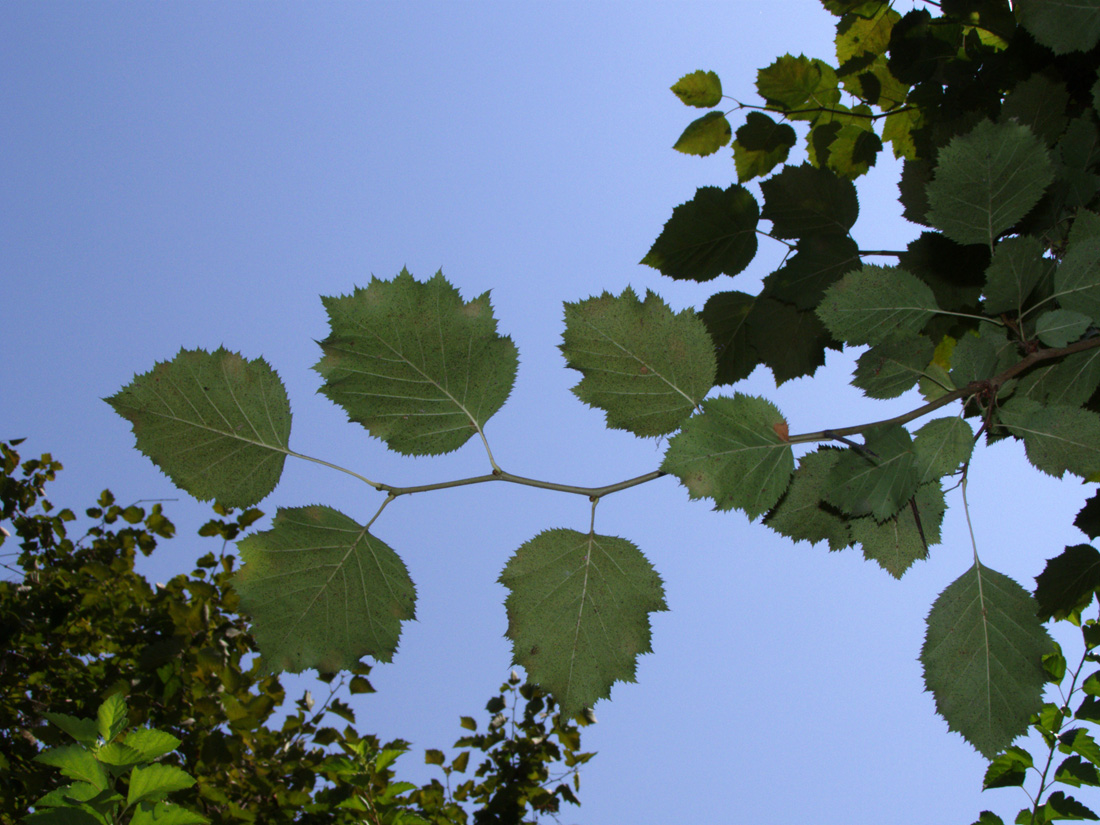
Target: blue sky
(197, 174)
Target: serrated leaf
(712, 234)
(801, 86)
(62, 816)
(414, 364)
(154, 782)
(726, 318)
(322, 591)
(85, 731)
(1080, 741)
(1062, 25)
(705, 135)
(1088, 517)
(848, 149)
(819, 261)
(1075, 771)
(732, 453)
(644, 365)
(761, 145)
(803, 200)
(896, 543)
(857, 35)
(1060, 806)
(700, 89)
(1067, 582)
(216, 424)
(1070, 381)
(800, 514)
(981, 354)
(1077, 279)
(982, 658)
(578, 613)
(1060, 327)
(878, 479)
(118, 755)
(1016, 269)
(986, 181)
(165, 813)
(1008, 769)
(150, 743)
(988, 818)
(1038, 103)
(111, 717)
(888, 369)
(1056, 438)
(869, 305)
(75, 762)
(789, 341)
(942, 446)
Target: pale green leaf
(154, 782)
(942, 446)
(150, 743)
(734, 452)
(1061, 326)
(857, 35)
(1017, 268)
(705, 135)
(700, 89)
(897, 542)
(322, 591)
(75, 762)
(119, 755)
(166, 813)
(578, 613)
(111, 717)
(889, 369)
(1056, 438)
(414, 364)
(801, 514)
(85, 731)
(869, 305)
(801, 86)
(216, 424)
(982, 658)
(644, 365)
(1062, 25)
(1077, 279)
(986, 181)
(877, 480)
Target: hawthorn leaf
(869, 305)
(1040, 104)
(216, 424)
(857, 35)
(322, 591)
(849, 150)
(644, 365)
(789, 341)
(84, 731)
(761, 145)
(705, 135)
(981, 354)
(804, 200)
(1076, 772)
(578, 613)
(800, 86)
(987, 180)
(982, 658)
(1017, 267)
(1062, 25)
(111, 717)
(1008, 769)
(819, 261)
(700, 89)
(75, 762)
(1060, 806)
(733, 453)
(942, 446)
(1088, 517)
(1068, 580)
(1060, 327)
(151, 743)
(1056, 438)
(1077, 279)
(712, 234)
(154, 782)
(415, 365)
(165, 813)
(878, 479)
(725, 315)
(897, 542)
(888, 369)
(801, 514)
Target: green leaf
(803, 200)
(414, 364)
(982, 658)
(1088, 517)
(879, 479)
(819, 261)
(942, 446)
(981, 354)
(1079, 741)
(1038, 103)
(800, 514)
(1070, 381)
(165, 813)
(799, 85)
(988, 818)
(1056, 438)
(1060, 327)
(151, 744)
(700, 89)
(1060, 806)
(119, 755)
(644, 365)
(1017, 268)
(725, 316)
(155, 782)
(1077, 279)
(789, 341)
(578, 613)
(896, 543)
(111, 717)
(1062, 25)
(987, 180)
(888, 369)
(712, 234)
(216, 424)
(75, 762)
(1008, 769)
(62, 816)
(734, 452)
(761, 145)
(705, 135)
(857, 35)
(848, 149)
(869, 305)
(84, 731)
(322, 591)
(1075, 771)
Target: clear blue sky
(196, 174)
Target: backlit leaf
(1061, 326)
(111, 717)
(726, 318)
(414, 364)
(322, 591)
(819, 261)
(1063, 25)
(75, 762)
(1018, 266)
(578, 613)
(705, 135)
(987, 180)
(857, 35)
(1068, 580)
(1008, 769)
(712, 234)
(982, 658)
(154, 782)
(879, 479)
(889, 369)
(1057, 438)
(801, 86)
(869, 305)
(803, 200)
(897, 542)
(761, 145)
(800, 514)
(791, 342)
(732, 453)
(216, 424)
(150, 743)
(85, 731)
(942, 446)
(643, 365)
(700, 89)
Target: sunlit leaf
(154, 782)
(700, 89)
(75, 762)
(801, 86)
(705, 135)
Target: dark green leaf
(1062, 25)
(1060, 806)
(877, 480)
(1040, 104)
(1057, 438)
(871, 304)
(898, 542)
(1070, 381)
(803, 200)
(705, 135)
(988, 818)
(700, 89)
(819, 262)
(942, 446)
(1076, 772)
(889, 369)
(1059, 327)
(1077, 279)
(981, 354)
(1008, 769)
(789, 341)
(725, 316)
(800, 514)
(1018, 266)
(761, 145)
(1088, 518)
